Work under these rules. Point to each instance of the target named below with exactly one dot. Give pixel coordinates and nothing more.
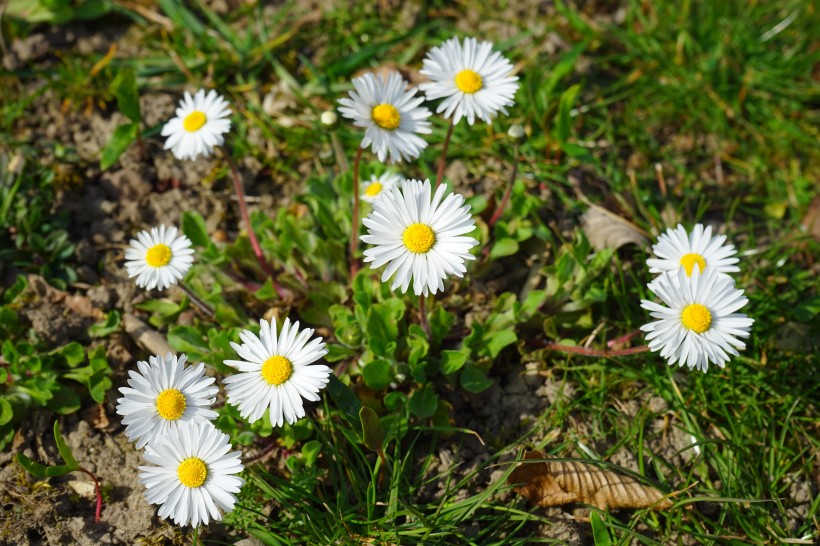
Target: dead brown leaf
(553, 483)
(605, 229)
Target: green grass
(719, 97)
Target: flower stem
(425, 324)
(623, 339)
(243, 211)
(195, 538)
(500, 208)
(97, 491)
(354, 232)
(443, 158)
(196, 300)
(585, 351)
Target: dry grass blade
(553, 483)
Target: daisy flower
(158, 258)
(474, 81)
(391, 115)
(193, 474)
(421, 239)
(700, 323)
(676, 249)
(163, 395)
(377, 185)
(200, 122)
(276, 373)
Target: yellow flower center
(192, 472)
(277, 369)
(386, 116)
(419, 238)
(689, 260)
(469, 81)
(373, 189)
(194, 121)
(159, 255)
(696, 317)
(171, 404)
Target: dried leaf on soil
(553, 483)
(605, 229)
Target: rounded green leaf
(424, 402)
(378, 374)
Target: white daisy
(700, 323)
(159, 258)
(418, 237)
(391, 115)
(164, 394)
(377, 185)
(276, 372)
(676, 249)
(193, 480)
(474, 80)
(200, 122)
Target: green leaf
(504, 247)
(441, 321)
(62, 447)
(64, 401)
(189, 340)
(35, 469)
(123, 136)
(394, 400)
(452, 361)
(72, 352)
(6, 411)
(372, 431)
(41, 471)
(600, 534)
(496, 341)
(474, 380)
(563, 124)
(423, 402)
(124, 87)
(310, 452)
(193, 226)
(15, 289)
(378, 374)
(417, 344)
(345, 400)
(107, 327)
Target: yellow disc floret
(469, 81)
(386, 116)
(171, 404)
(194, 121)
(159, 255)
(373, 189)
(419, 238)
(689, 260)
(696, 317)
(192, 472)
(277, 369)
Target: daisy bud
(329, 118)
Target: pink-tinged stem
(442, 160)
(500, 208)
(354, 232)
(425, 324)
(243, 211)
(98, 491)
(584, 351)
(622, 339)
